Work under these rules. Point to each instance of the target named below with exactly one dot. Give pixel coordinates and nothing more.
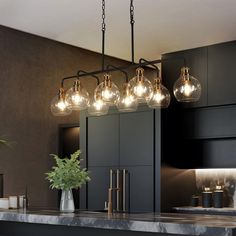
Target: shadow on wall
(177, 187)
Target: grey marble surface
(181, 224)
(211, 210)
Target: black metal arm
(153, 65)
(117, 68)
(84, 72)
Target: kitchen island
(46, 222)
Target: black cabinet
(98, 187)
(103, 140)
(136, 138)
(221, 74)
(203, 135)
(141, 188)
(122, 141)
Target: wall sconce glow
(187, 88)
(59, 105)
(108, 91)
(77, 97)
(127, 101)
(140, 86)
(160, 97)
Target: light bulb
(77, 97)
(187, 88)
(107, 91)
(98, 107)
(127, 101)
(140, 89)
(140, 86)
(59, 105)
(160, 96)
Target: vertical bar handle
(124, 189)
(118, 190)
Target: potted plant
(65, 176)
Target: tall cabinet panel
(136, 138)
(123, 141)
(102, 155)
(221, 74)
(137, 155)
(103, 141)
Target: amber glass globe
(77, 97)
(127, 101)
(98, 107)
(59, 105)
(140, 86)
(160, 96)
(107, 91)
(187, 88)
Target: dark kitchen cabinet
(204, 135)
(141, 188)
(125, 141)
(136, 138)
(103, 140)
(221, 74)
(98, 187)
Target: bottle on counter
(194, 201)
(207, 197)
(218, 197)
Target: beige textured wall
(30, 71)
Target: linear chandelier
(135, 91)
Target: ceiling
(160, 25)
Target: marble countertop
(219, 211)
(181, 224)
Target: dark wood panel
(221, 73)
(137, 138)
(98, 187)
(141, 188)
(212, 122)
(103, 140)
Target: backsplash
(213, 177)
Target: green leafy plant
(67, 174)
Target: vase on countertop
(67, 202)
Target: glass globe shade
(59, 106)
(127, 101)
(160, 96)
(77, 97)
(187, 88)
(98, 107)
(140, 86)
(107, 91)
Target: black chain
(103, 16)
(131, 12)
(132, 29)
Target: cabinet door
(137, 138)
(98, 187)
(103, 140)
(141, 187)
(221, 74)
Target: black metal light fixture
(137, 90)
